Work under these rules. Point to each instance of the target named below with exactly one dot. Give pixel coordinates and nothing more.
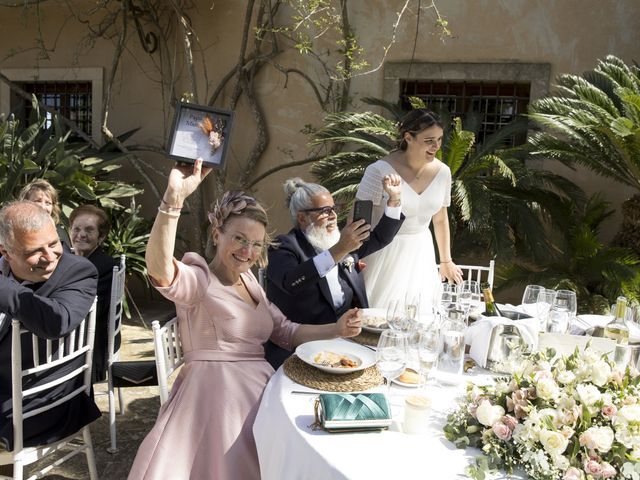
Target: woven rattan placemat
(367, 338)
(309, 376)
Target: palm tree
(597, 273)
(594, 120)
(498, 204)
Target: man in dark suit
(314, 271)
(50, 292)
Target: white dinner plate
(361, 355)
(378, 313)
(403, 384)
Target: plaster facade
(529, 39)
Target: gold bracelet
(171, 214)
(448, 261)
(171, 208)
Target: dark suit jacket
(104, 264)
(50, 309)
(294, 285)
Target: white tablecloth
(289, 449)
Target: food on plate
(374, 321)
(334, 360)
(409, 376)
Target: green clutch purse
(341, 412)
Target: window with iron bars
(71, 99)
(497, 103)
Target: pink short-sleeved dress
(204, 431)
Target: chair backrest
(116, 308)
(478, 273)
(169, 356)
(262, 278)
(48, 357)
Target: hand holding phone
(362, 210)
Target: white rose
(566, 377)
(597, 438)
(588, 394)
(600, 373)
(628, 413)
(488, 414)
(553, 442)
(547, 389)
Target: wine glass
(411, 305)
(563, 309)
(391, 355)
(429, 346)
(468, 296)
(530, 298)
(395, 315)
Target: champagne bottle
(618, 330)
(490, 307)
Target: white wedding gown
(407, 264)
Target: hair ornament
(232, 202)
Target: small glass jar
(417, 410)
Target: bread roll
(409, 376)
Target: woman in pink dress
(204, 431)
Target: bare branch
(277, 168)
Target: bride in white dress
(407, 264)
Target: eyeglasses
(242, 242)
(322, 211)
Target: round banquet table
(289, 449)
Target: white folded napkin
(582, 323)
(478, 335)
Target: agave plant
(596, 272)
(498, 203)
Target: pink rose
(592, 467)
(609, 411)
(502, 431)
(573, 473)
(608, 471)
(510, 422)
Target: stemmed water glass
(543, 307)
(563, 309)
(448, 298)
(391, 355)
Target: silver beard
(320, 238)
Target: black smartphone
(362, 210)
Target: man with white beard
(314, 270)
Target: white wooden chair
(121, 374)
(57, 353)
(478, 273)
(169, 355)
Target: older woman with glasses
(320, 263)
(224, 318)
(90, 226)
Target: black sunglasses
(322, 210)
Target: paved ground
(142, 405)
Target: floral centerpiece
(571, 418)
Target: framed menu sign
(200, 131)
